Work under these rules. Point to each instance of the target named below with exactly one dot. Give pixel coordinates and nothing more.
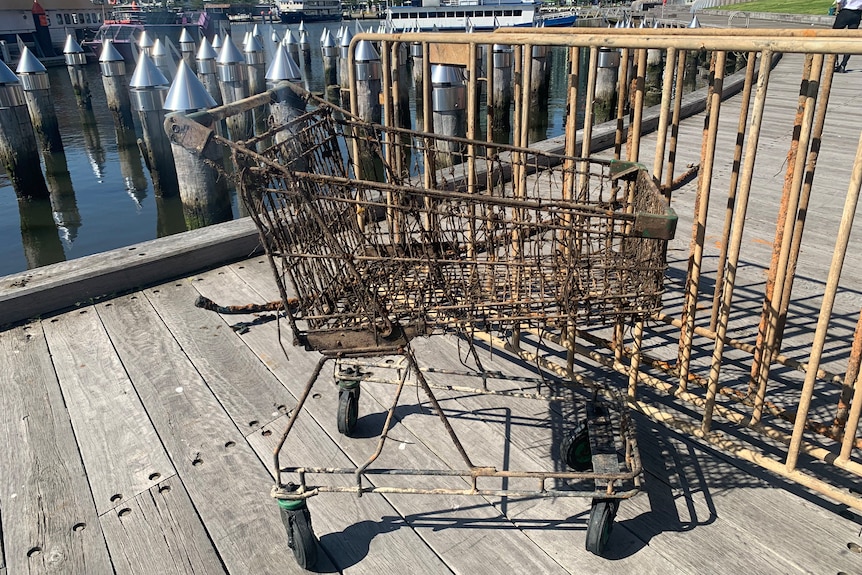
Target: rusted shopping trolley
(384, 234)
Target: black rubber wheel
(575, 450)
(300, 536)
(348, 410)
(601, 524)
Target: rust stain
(762, 241)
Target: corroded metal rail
(794, 417)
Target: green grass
(817, 7)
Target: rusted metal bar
(496, 493)
(674, 129)
(817, 345)
(850, 377)
(745, 103)
(293, 415)
(209, 305)
(850, 441)
(384, 434)
(815, 41)
(634, 367)
(699, 226)
(822, 104)
(787, 222)
(664, 111)
(729, 392)
(489, 472)
(634, 146)
(622, 101)
(756, 379)
(590, 97)
(423, 383)
(736, 448)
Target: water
(101, 193)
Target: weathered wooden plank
(225, 480)
(358, 534)
(49, 521)
(362, 535)
(55, 287)
(690, 484)
(465, 550)
(162, 513)
(119, 446)
(223, 360)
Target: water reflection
(135, 181)
(39, 234)
(63, 202)
(170, 219)
(93, 143)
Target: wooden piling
(232, 78)
(204, 195)
(501, 93)
(18, 149)
(449, 106)
(114, 80)
(654, 73)
(368, 85)
(75, 62)
(606, 85)
(255, 60)
(147, 89)
(37, 93)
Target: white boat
(295, 11)
(460, 15)
(44, 25)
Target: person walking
(849, 16)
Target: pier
(143, 426)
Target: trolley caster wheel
(300, 536)
(601, 524)
(575, 449)
(348, 410)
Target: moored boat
(460, 15)
(125, 25)
(295, 11)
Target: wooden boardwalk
(138, 432)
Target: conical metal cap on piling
(283, 68)
(30, 64)
(255, 32)
(72, 46)
(274, 38)
(253, 45)
(288, 38)
(7, 76)
(206, 51)
(303, 40)
(144, 40)
(187, 93)
(324, 35)
(254, 54)
(146, 74)
(159, 49)
(301, 26)
(109, 52)
(111, 61)
(365, 52)
(229, 54)
(217, 43)
(346, 38)
(446, 75)
(185, 37)
(695, 23)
